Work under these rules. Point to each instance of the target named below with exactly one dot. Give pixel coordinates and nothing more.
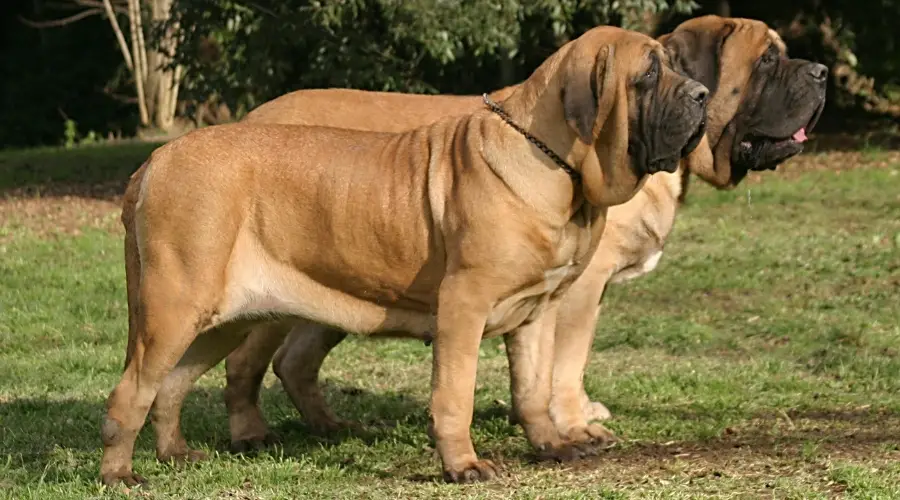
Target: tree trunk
(167, 78)
(723, 8)
(156, 79)
(136, 27)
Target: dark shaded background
(75, 72)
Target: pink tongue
(800, 135)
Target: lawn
(761, 358)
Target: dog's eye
(769, 57)
(650, 75)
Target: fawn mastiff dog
(761, 107)
(472, 226)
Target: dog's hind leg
(207, 350)
(245, 368)
(167, 324)
(298, 362)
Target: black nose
(699, 93)
(818, 72)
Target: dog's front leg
(530, 351)
(573, 334)
(461, 317)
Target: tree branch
(119, 6)
(128, 99)
(269, 12)
(140, 45)
(56, 23)
(134, 16)
(120, 37)
(92, 3)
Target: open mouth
(763, 152)
(759, 152)
(799, 137)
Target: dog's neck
(671, 186)
(534, 106)
(538, 109)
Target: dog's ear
(588, 96)
(701, 162)
(606, 175)
(696, 53)
(699, 52)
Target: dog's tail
(132, 255)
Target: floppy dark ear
(606, 175)
(584, 104)
(696, 53)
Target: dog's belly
(258, 286)
(271, 291)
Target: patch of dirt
(760, 456)
(48, 216)
(106, 190)
(865, 136)
(758, 451)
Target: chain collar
(493, 106)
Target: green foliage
(248, 52)
(72, 138)
(70, 133)
(244, 52)
(870, 29)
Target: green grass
(762, 358)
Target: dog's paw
(595, 410)
(477, 470)
(601, 435)
(252, 446)
(592, 434)
(126, 477)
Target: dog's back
(362, 110)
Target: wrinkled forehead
(757, 37)
(777, 42)
(637, 54)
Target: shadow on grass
(33, 431)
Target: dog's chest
(526, 304)
(645, 264)
(643, 248)
(639, 235)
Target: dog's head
(621, 96)
(763, 104)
